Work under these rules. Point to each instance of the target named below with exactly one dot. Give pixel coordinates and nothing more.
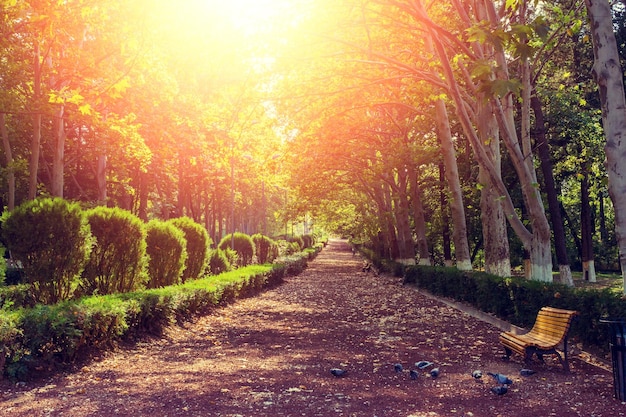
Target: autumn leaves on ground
(271, 355)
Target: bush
(266, 248)
(166, 248)
(52, 239)
(118, 261)
(198, 244)
(218, 261)
(244, 246)
(298, 241)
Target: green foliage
(18, 295)
(517, 300)
(266, 249)
(244, 246)
(52, 239)
(166, 248)
(218, 261)
(118, 260)
(297, 240)
(46, 336)
(198, 244)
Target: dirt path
(271, 355)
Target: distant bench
(549, 331)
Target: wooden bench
(549, 331)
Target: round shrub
(218, 262)
(52, 239)
(118, 261)
(166, 248)
(198, 244)
(266, 248)
(244, 246)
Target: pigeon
(398, 367)
(338, 372)
(477, 374)
(413, 374)
(527, 372)
(499, 390)
(423, 364)
(434, 373)
(501, 379)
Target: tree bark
(6, 144)
(543, 152)
(459, 233)
(493, 220)
(419, 219)
(58, 154)
(609, 77)
(445, 218)
(101, 179)
(586, 227)
(401, 212)
(36, 140)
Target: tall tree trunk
(58, 154)
(543, 151)
(401, 213)
(586, 227)
(445, 218)
(389, 230)
(459, 233)
(609, 77)
(101, 179)
(36, 140)
(6, 144)
(493, 221)
(419, 219)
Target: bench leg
(507, 353)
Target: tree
(608, 75)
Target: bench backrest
(552, 324)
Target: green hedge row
(517, 300)
(47, 336)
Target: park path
(271, 355)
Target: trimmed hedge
(166, 247)
(198, 244)
(118, 260)
(518, 301)
(52, 239)
(244, 246)
(53, 335)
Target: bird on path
(477, 374)
(398, 367)
(501, 379)
(413, 374)
(423, 364)
(434, 373)
(338, 372)
(501, 390)
(527, 372)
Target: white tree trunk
(608, 75)
(493, 220)
(459, 233)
